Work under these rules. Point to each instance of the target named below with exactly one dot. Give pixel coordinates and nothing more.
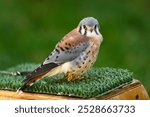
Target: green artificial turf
(98, 81)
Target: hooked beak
(90, 29)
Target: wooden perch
(132, 91)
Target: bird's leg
(70, 76)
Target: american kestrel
(73, 55)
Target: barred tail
(36, 75)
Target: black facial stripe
(80, 29)
(85, 32)
(95, 29)
(96, 32)
(85, 28)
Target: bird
(73, 55)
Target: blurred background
(29, 30)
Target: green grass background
(29, 30)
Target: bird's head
(89, 26)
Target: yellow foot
(70, 77)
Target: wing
(70, 47)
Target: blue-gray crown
(90, 21)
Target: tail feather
(37, 74)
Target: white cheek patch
(82, 31)
(90, 34)
(97, 30)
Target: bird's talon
(70, 77)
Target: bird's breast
(86, 59)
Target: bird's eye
(84, 27)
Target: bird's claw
(70, 77)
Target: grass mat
(98, 81)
